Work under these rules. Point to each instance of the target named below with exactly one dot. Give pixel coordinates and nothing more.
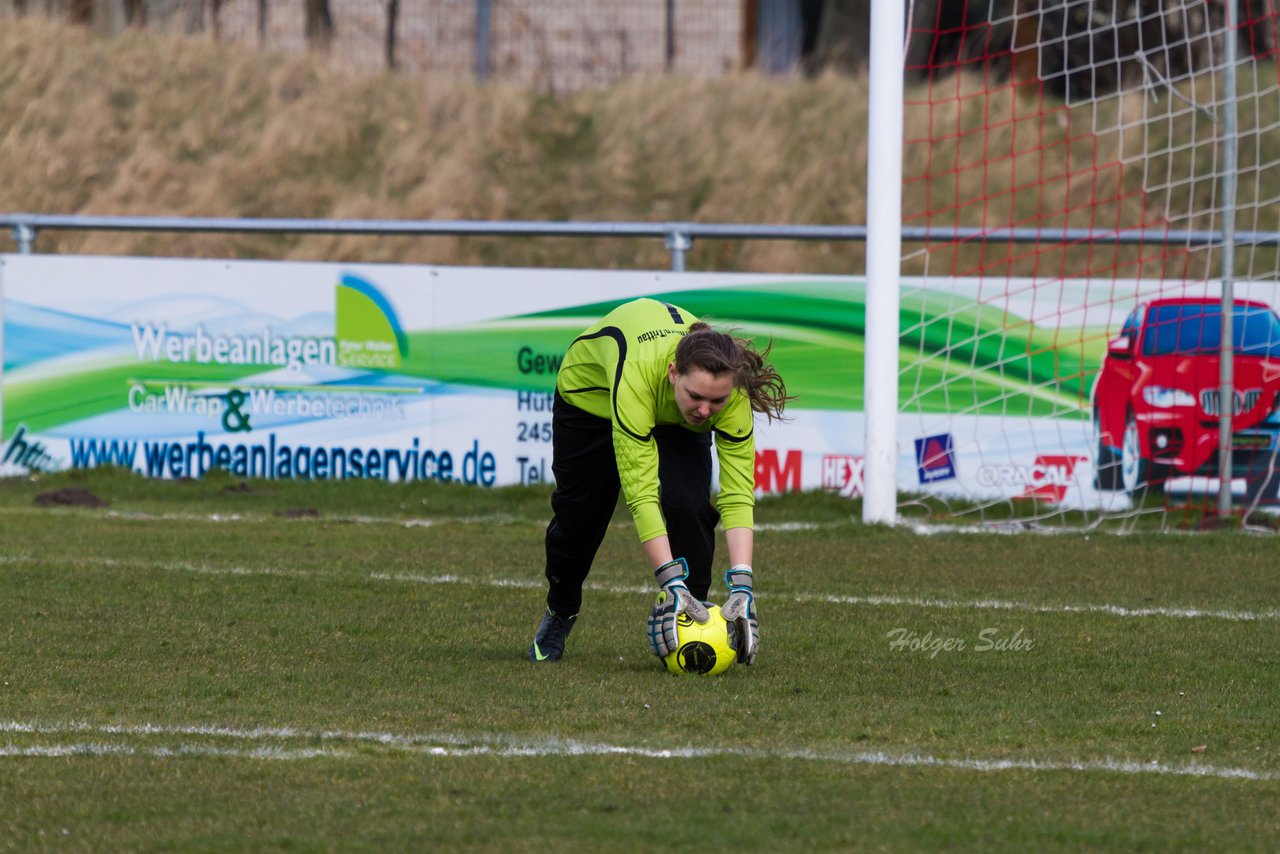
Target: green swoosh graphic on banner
(49, 401)
(979, 360)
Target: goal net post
(1090, 198)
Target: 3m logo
(935, 458)
(842, 473)
(774, 475)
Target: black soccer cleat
(548, 643)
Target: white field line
(221, 518)
(265, 745)
(875, 601)
(397, 521)
(1026, 527)
(98, 749)
(1031, 607)
(800, 598)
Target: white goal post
(884, 249)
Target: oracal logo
(1048, 479)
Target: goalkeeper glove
(673, 600)
(740, 611)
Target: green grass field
(223, 666)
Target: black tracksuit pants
(586, 494)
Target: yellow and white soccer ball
(704, 648)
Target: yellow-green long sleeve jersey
(617, 369)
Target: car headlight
(1166, 398)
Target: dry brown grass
(147, 124)
(159, 125)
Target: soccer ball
(705, 648)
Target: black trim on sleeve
(720, 434)
(675, 313)
(611, 331)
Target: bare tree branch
(80, 12)
(319, 24)
(393, 19)
(135, 13)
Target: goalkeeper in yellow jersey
(639, 397)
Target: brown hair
(718, 352)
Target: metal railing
(677, 237)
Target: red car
(1156, 400)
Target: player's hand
(740, 610)
(673, 600)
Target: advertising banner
(173, 367)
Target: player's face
(700, 394)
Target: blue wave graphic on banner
(33, 334)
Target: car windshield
(1194, 328)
